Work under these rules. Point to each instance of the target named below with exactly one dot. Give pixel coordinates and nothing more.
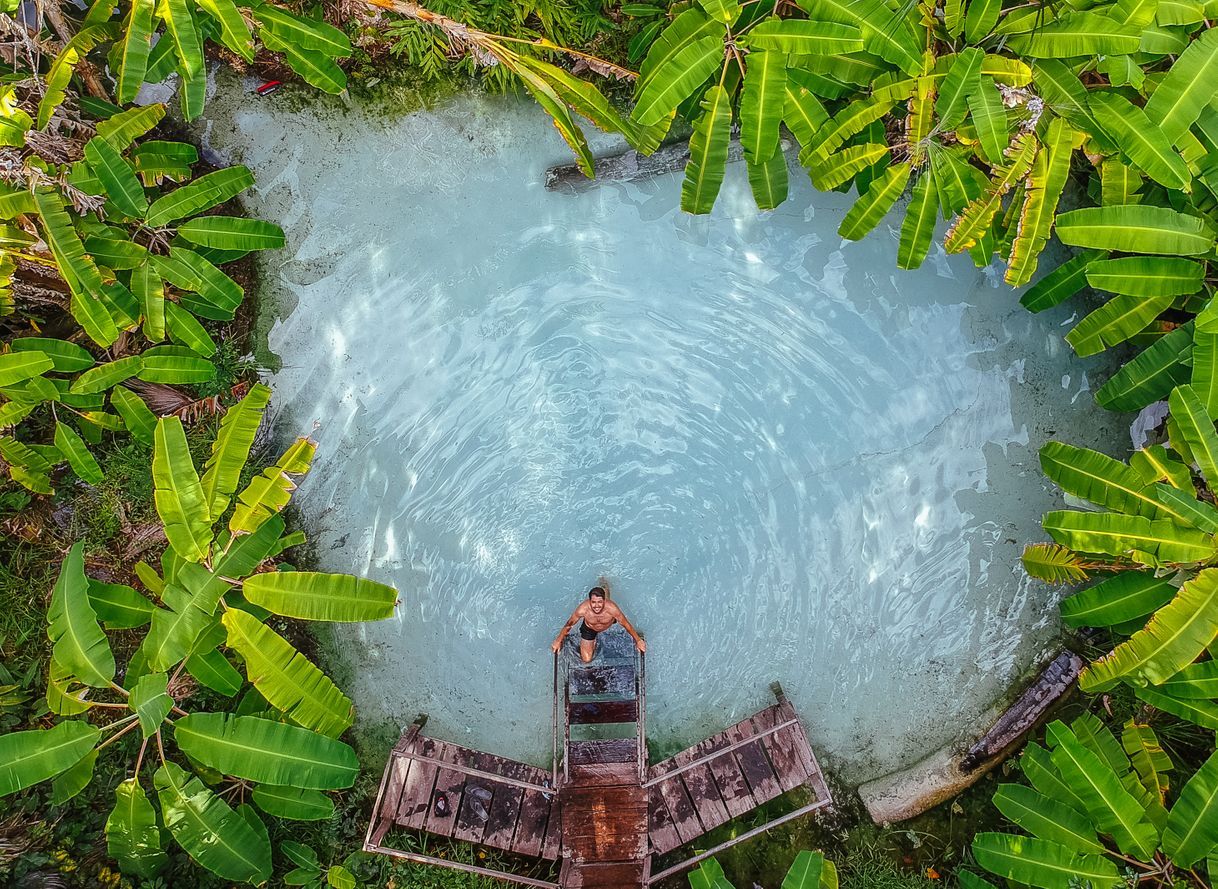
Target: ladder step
(608, 774)
(602, 712)
(613, 680)
(582, 753)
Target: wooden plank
(611, 680)
(602, 712)
(604, 823)
(551, 846)
(800, 739)
(732, 786)
(604, 773)
(536, 810)
(681, 809)
(704, 792)
(452, 784)
(604, 875)
(661, 832)
(475, 810)
(501, 824)
(396, 768)
(757, 769)
(780, 748)
(583, 753)
(416, 795)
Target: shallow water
(791, 461)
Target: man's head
(596, 599)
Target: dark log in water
(1054, 681)
(629, 166)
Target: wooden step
(602, 712)
(615, 680)
(582, 753)
(609, 774)
(602, 875)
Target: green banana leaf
(677, 79)
(1196, 428)
(180, 25)
(118, 606)
(847, 123)
(173, 633)
(132, 836)
(1119, 319)
(1196, 710)
(838, 169)
(805, 871)
(1194, 681)
(768, 180)
(725, 11)
(1053, 564)
(1151, 375)
(804, 38)
(918, 228)
(1041, 863)
(68, 784)
(1142, 142)
(1174, 638)
(293, 803)
(1187, 509)
(73, 447)
(707, 152)
(135, 43)
(1046, 182)
(686, 29)
(139, 420)
(1046, 818)
(1144, 540)
(1060, 284)
(234, 32)
(1204, 378)
(1187, 88)
(80, 647)
(231, 448)
(990, 120)
(266, 751)
(977, 218)
(269, 492)
(1077, 34)
(1118, 600)
(175, 364)
(761, 104)
(1136, 228)
(201, 194)
(305, 33)
(104, 376)
(117, 177)
(123, 128)
(1147, 756)
(27, 758)
(212, 669)
(18, 366)
(875, 202)
(1146, 275)
(308, 595)
(208, 829)
(65, 357)
(963, 77)
(1192, 825)
(709, 875)
(1038, 768)
(1110, 807)
(285, 677)
(232, 233)
(180, 501)
(886, 33)
(1102, 480)
(151, 702)
(184, 330)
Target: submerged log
(630, 166)
(945, 773)
(1054, 681)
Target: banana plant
(1151, 542)
(147, 41)
(809, 870)
(1102, 812)
(215, 773)
(138, 260)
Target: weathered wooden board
(604, 823)
(584, 753)
(616, 679)
(602, 712)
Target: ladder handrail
(554, 761)
(641, 716)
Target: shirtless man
(598, 614)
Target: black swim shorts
(586, 632)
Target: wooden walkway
(603, 812)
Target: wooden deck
(604, 813)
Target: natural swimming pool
(792, 461)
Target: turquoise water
(791, 461)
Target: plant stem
(117, 735)
(139, 759)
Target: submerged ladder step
(583, 753)
(616, 680)
(602, 712)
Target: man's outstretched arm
(566, 628)
(626, 625)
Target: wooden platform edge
(748, 835)
(419, 858)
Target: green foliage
(286, 750)
(809, 870)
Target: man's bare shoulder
(614, 610)
(581, 609)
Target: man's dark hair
(597, 591)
